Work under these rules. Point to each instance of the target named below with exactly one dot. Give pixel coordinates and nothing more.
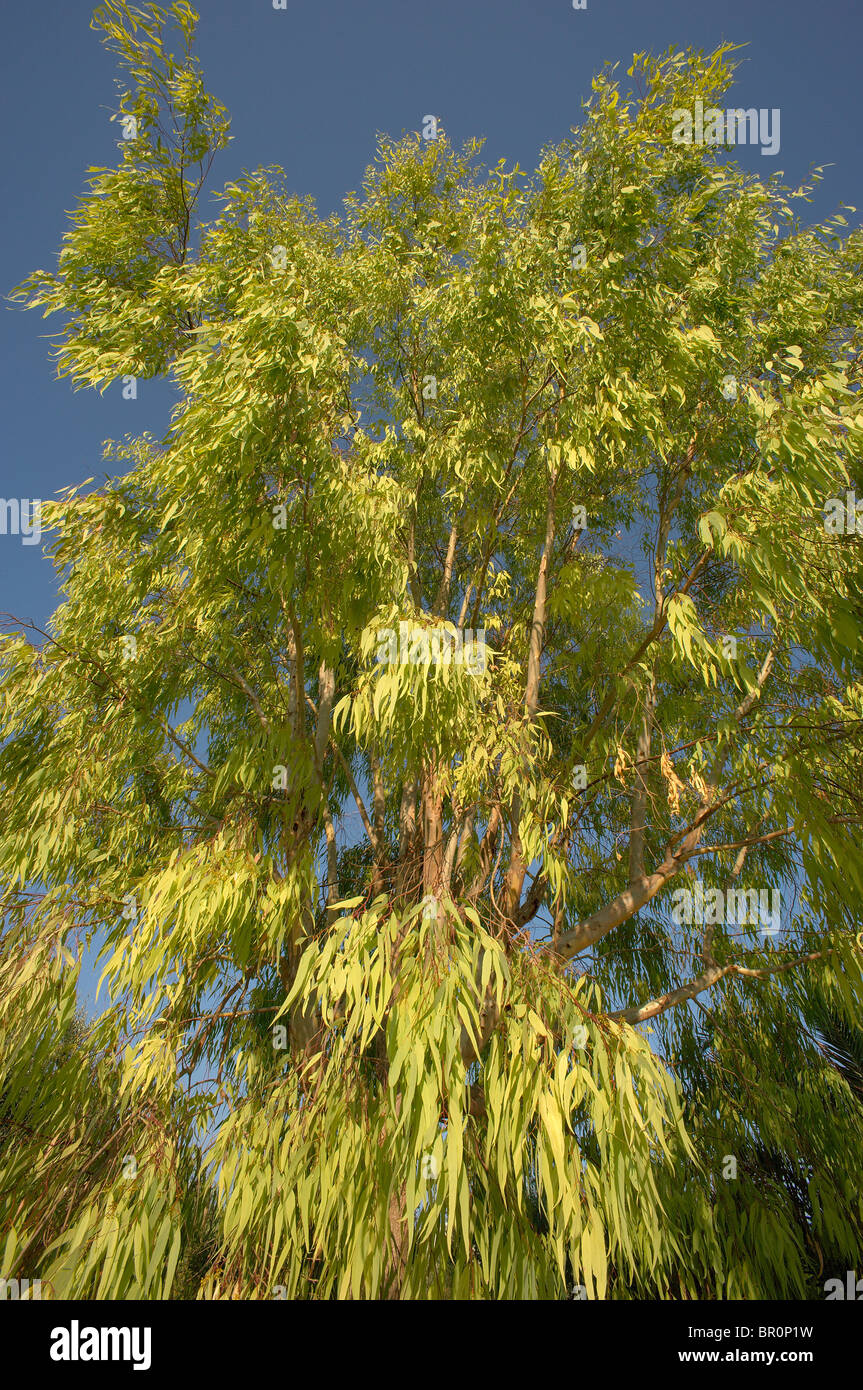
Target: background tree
(399, 1004)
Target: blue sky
(309, 88)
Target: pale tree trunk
(433, 841)
(408, 877)
(305, 1021)
(639, 798)
(517, 866)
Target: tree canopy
(421, 714)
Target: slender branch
(706, 980)
(364, 815)
(637, 894)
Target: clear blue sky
(309, 88)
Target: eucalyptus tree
(449, 732)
